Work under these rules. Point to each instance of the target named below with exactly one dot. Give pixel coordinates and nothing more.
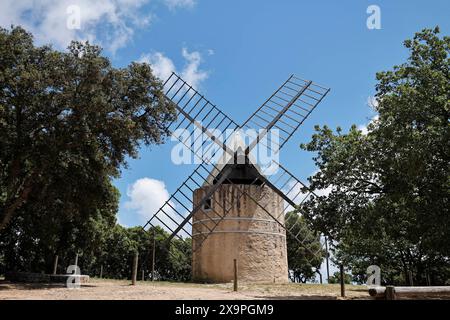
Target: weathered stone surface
(247, 233)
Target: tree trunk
(11, 209)
(15, 199)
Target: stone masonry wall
(247, 233)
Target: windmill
(230, 206)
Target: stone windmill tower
(245, 232)
(230, 206)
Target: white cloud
(119, 221)
(324, 192)
(161, 65)
(146, 197)
(363, 127)
(191, 72)
(109, 23)
(294, 192)
(174, 4)
(372, 101)
(164, 66)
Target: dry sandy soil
(118, 289)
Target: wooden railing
(393, 293)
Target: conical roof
(243, 173)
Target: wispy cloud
(372, 102)
(162, 66)
(175, 4)
(109, 23)
(293, 190)
(364, 127)
(190, 72)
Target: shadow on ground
(8, 285)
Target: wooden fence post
(327, 260)
(341, 268)
(101, 271)
(153, 255)
(235, 283)
(134, 270)
(410, 274)
(55, 265)
(390, 293)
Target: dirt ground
(102, 289)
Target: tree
(389, 200)
(304, 259)
(170, 263)
(68, 120)
(336, 278)
(51, 224)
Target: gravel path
(120, 290)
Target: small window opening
(207, 205)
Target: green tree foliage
(68, 120)
(389, 203)
(121, 243)
(336, 278)
(303, 259)
(52, 227)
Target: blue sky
(237, 53)
(257, 44)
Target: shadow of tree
(8, 285)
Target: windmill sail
(198, 117)
(285, 111)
